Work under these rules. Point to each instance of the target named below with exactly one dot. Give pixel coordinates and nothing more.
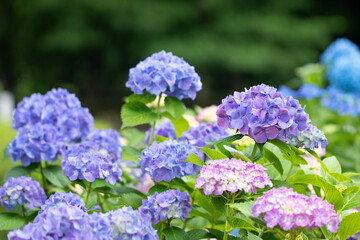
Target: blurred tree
(88, 46)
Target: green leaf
(314, 154)
(136, 113)
(340, 177)
(226, 140)
(17, 171)
(351, 201)
(146, 97)
(56, 176)
(197, 234)
(131, 154)
(213, 154)
(91, 201)
(219, 203)
(240, 223)
(288, 153)
(159, 138)
(174, 233)
(10, 221)
(271, 157)
(175, 107)
(157, 188)
(351, 190)
(244, 207)
(181, 125)
(332, 164)
(120, 190)
(100, 183)
(193, 158)
(331, 193)
(206, 203)
(253, 237)
(349, 225)
(197, 213)
(236, 153)
(247, 151)
(130, 199)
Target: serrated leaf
(130, 199)
(213, 154)
(10, 221)
(174, 233)
(120, 190)
(288, 153)
(244, 207)
(271, 157)
(219, 203)
(351, 201)
(91, 201)
(146, 97)
(240, 223)
(340, 177)
(206, 203)
(225, 140)
(332, 164)
(236, 153)
(197, 234)
(136, 113)
(193, 158)
(351, 190)
(175, 107)
(181, 125)
(349, 225)
(247, 151)
(56, 176)
(159, 188)
(130, 154)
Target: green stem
(43, 178)
(253, 152)
(228, 214)
(289, 173)
(100, 203)
(154, 123)
(24, 214)
(88, 194)
(165, 224)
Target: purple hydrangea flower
(356, 236)
(232, 175)
(127, 223)
(165, 160)
(60, 222)
(34, 143)
(342, 102)
(291, 210)
(62, 197)
(201, 135)
(164, 72)
(165, 129)
(20, 191)
(110, 140)
(262, 113)
(166, 205)
(84, 161)
(341, 47)
(311, 138)
(101, 226)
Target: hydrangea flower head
(101, 226)
(341, 47)
(34, 143)
(127, 223)
(20, 191)
(110, 140)
(165, 129)
(59, 198)
(342, 102)
(165, 160)
(166, 205)
(291, 210)
(232, 175)
(286, 91)
(311, 138)
(344, 73)
(203, 134)
(166, 73)
(310, 91)
(82, 161)
(262, 113)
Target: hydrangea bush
(240, 170)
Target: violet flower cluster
(311, 138)
(166, 205)
(166, 73)
(203, 134)
(109, 140)
(127, 223)
(342, 102)
(165, 160)
(291, 210)
(20, 191)
(262, 113)
(59, 198)
(84, 161)
(232, 175)
(165, 129)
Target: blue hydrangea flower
(310, 91)
(344, 73)
(127, 223)
(262, 113)
(62, 197)
(165, 160)
(164, 72)
(203, 134)
(60, 222)
(110, 140)
(166, 205)
(101, 226)
(311, 138)
(20, 191)
(34, 143)
(286, 91)
(343, 103)
(84, 161)
(165, 129)
(341, 47)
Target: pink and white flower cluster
(291, 210)
(232, 175)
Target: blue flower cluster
(165, 160)
(166, 205)
(306, 91)
(83, 160)
(203, 134)
(341, 47)
(110, 140)
(166, 73)
(127, 223)
(262, 113)
(101, 226)
(34, 143)
(165, 129)
(62, 197)
(46, 123)
(311, 138)
(20, 191)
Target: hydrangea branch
(43, 178)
